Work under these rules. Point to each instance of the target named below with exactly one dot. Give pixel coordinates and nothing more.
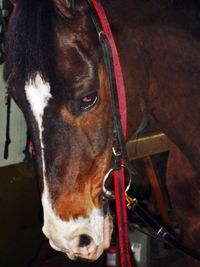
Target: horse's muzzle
(81, 241)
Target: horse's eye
(88, 101)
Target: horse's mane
(30, 41)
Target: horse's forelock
(30, 41)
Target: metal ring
(101, 34)
(109, 193)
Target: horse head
(55, 73)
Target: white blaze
(38, 94)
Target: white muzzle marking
(65, 235)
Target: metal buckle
(110, 193)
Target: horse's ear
(13, 2)
(67, 7)
(63, 6)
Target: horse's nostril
(84, 240)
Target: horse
(56, 73)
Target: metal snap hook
(110, 193)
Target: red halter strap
(119, 179)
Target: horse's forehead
(76, 58)
(38, 94)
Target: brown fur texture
(160, 55)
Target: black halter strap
(119, 144)
(160, 232)
(8, 140)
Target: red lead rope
(119, 179)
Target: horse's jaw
(66, 236)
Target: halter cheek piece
(120, 157)
(119, 143)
